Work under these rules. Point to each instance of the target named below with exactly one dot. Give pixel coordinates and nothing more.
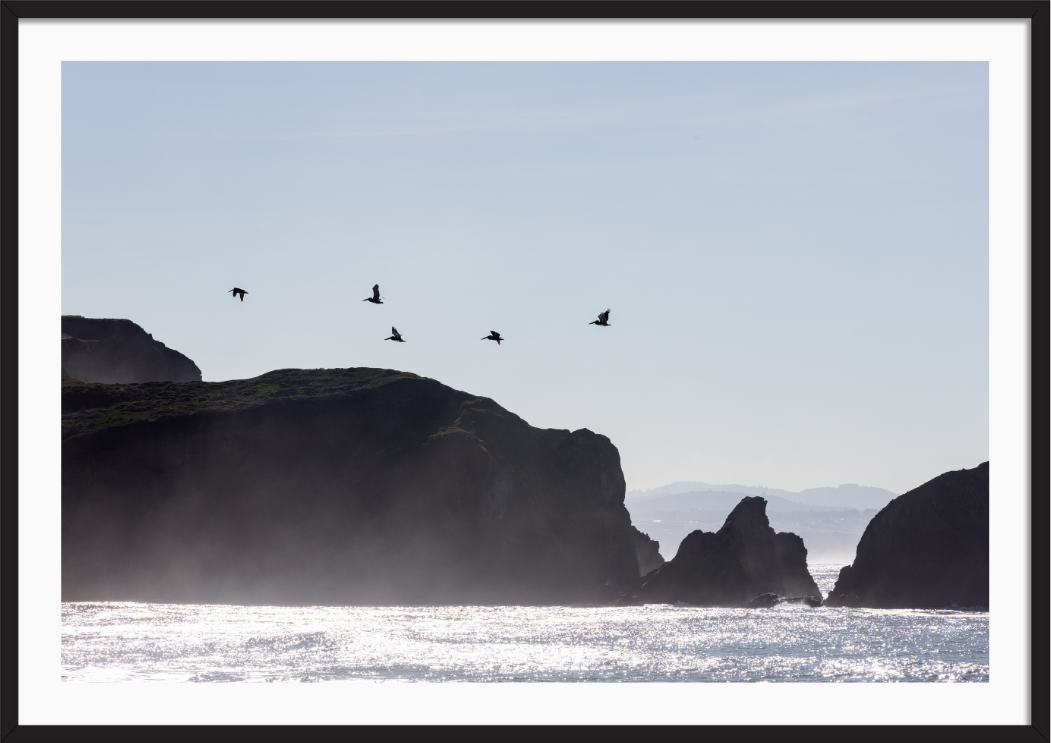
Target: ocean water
(127, 641)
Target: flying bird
(603, 320)
(237, 291)
(493, 336)
(375, 298)
(396, 336)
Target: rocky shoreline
(373, 486)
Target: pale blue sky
(795, 255)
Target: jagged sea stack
(333, 486)
(926, 548)
(742, 560)
(647, 551)
(119, 352)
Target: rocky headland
(742, 560)
(338, 486)
(119, 351)
(926, 548)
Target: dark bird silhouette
(603, 320)
(375, 298)
(493, 336)
(237, 291)
(396, 336)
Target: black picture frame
(12, 11)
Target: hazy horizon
(795, 255)
(687, 486)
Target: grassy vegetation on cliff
(90, 408)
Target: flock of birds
(603, 318)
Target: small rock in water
(849, 600)
(811, 601)
(763, 601)
(770, 600)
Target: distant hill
(860, 497)
(847, 496)
(718, 501)
(687, 487)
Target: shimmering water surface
(175, 642)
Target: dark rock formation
(927, 548)
(770, 600)
(119, 351)
(743, 559)
(345, 486)
(647, 551)
(843, 600)
(763, 601)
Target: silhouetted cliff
(119, 351)
(342, 486)
(926, 548)
(742, 560)
(647, 551)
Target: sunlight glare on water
(168, 642)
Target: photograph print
(525, 371)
